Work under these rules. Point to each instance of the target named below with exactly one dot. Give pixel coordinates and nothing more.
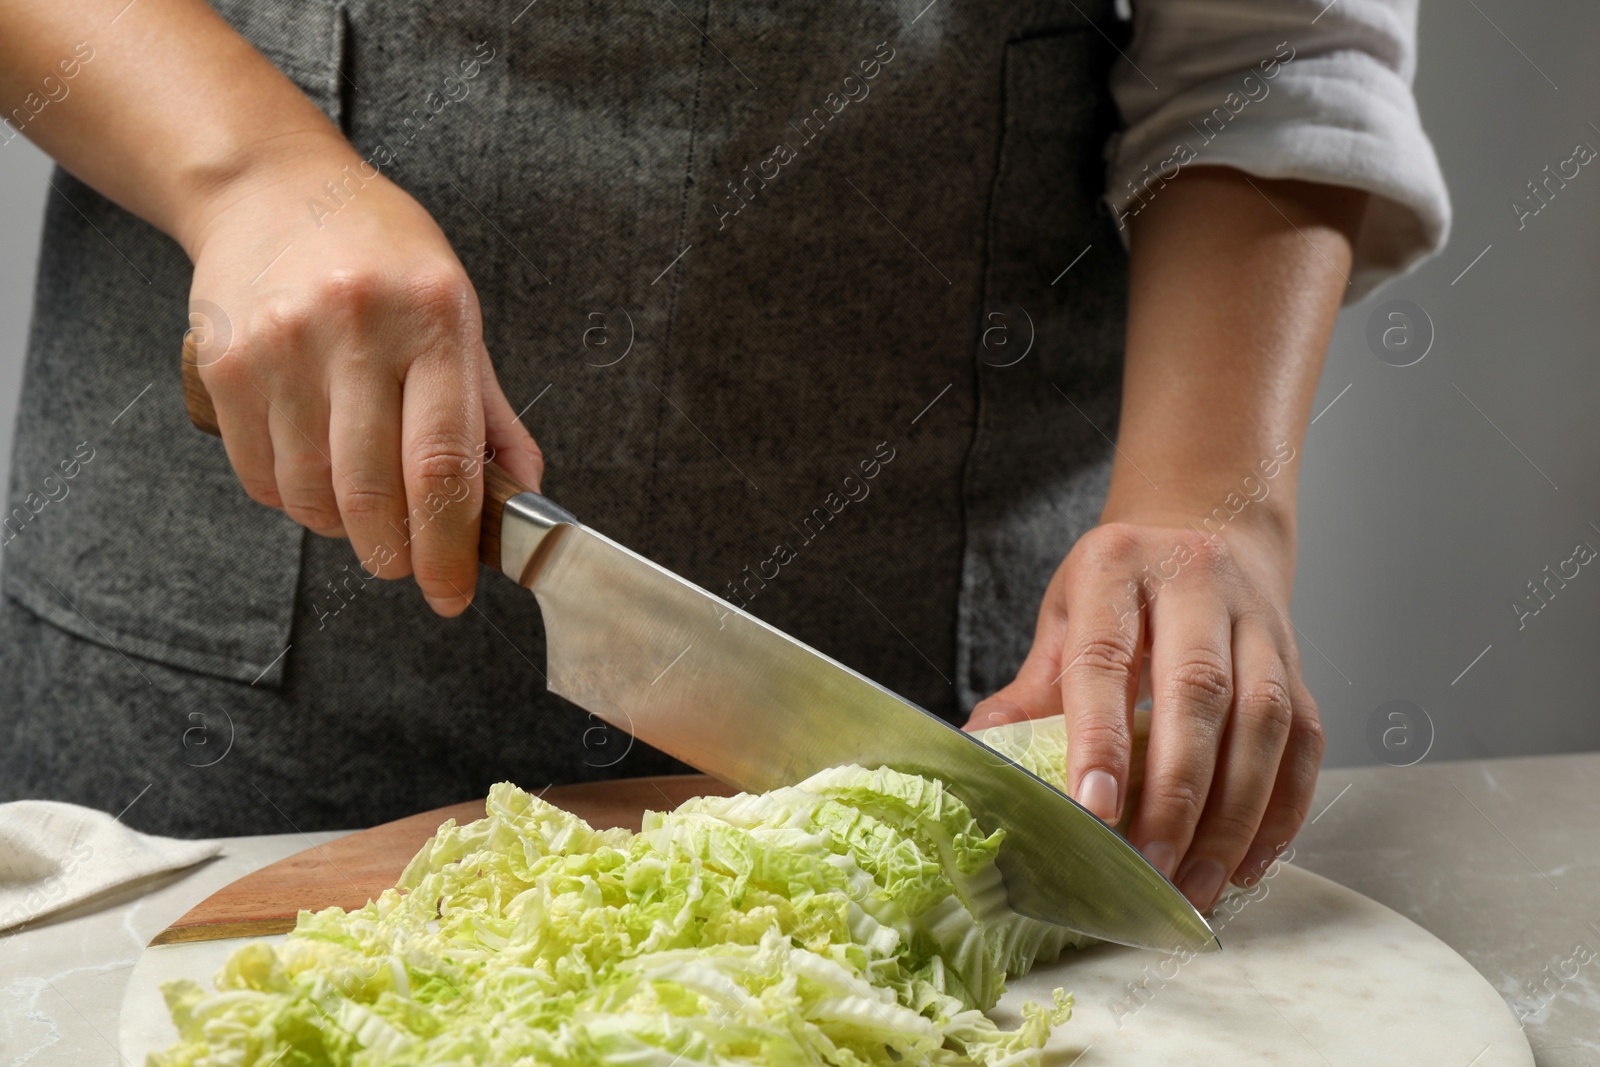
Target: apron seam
(162, 653)
(963, 621)
(677, 275)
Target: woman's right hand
(343, 350)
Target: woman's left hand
(1233, 286)
(1235, 739)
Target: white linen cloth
(1303, 89)
(53, 855)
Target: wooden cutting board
(352, 870)
(1311, 974)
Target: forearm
(167, 115)
(1233, 291)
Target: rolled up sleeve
(1284, 89)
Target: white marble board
(1310, 974)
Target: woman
(817, 306)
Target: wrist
(228, 174)
(1193, 484)
(1263, 517)
(1252, 508)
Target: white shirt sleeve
(1271, 88)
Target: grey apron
(784, 290)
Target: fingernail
(1254, 865)
(1097, 791)
(1202, 882)
(444, 605)
(1161, 856)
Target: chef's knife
(685, 671)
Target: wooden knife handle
(498, 483)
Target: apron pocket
(305, 39)
(1050, 338)
(125, 526)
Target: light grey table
(1498, 858)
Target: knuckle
(1308, 734)
(262, 491)
(1106, 651)
(439, 457)
(439, 581)
(1211, 555)
(1292, 814)
(1287, 811)
(1177, 799)
(1267, 701)
(369, 498)
(1109, 546)
(307, 472)
(313, 511)
(229, 375)
(1233, 827)
(351, 292)
(1203, 682)
(306, 490)
(1105, 739)
(442, 297)
(1288, 650)
(279, 323)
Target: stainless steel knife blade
(685, 671)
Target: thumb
(513, 446)
(1031, 695)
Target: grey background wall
(24, 174)
(1431, 493)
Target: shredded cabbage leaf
(1040, 746)
(855, 919)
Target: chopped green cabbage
(1040, 746)
(1037, 745)
(855, 919)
